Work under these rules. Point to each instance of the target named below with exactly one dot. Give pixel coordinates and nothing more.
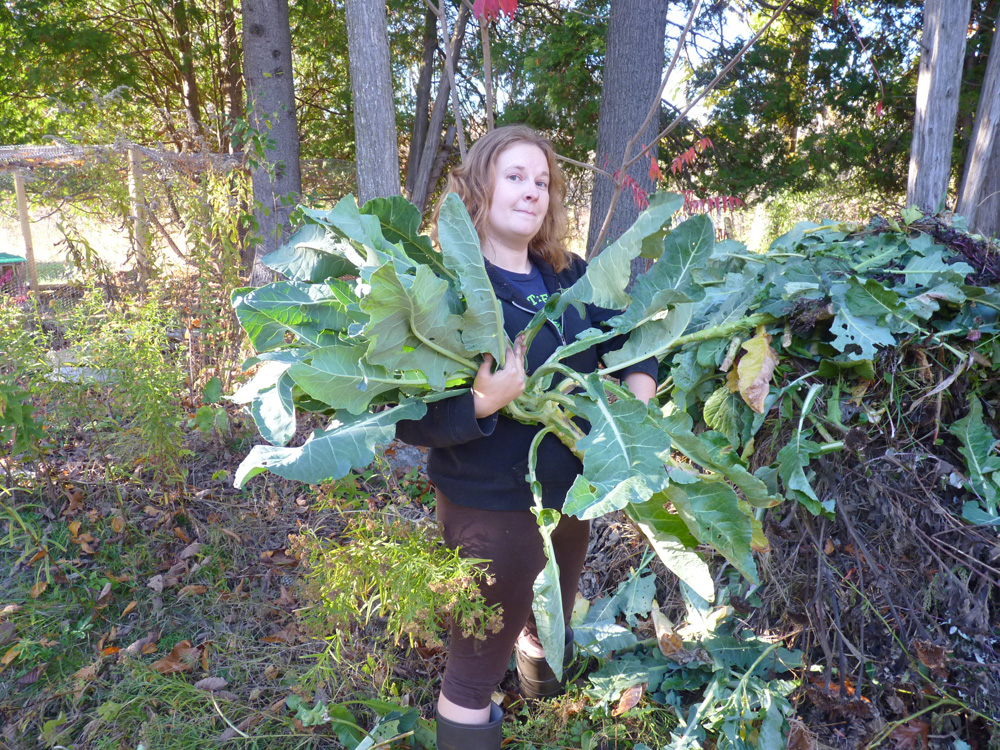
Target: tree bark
(422, 112)
(633, 65)
(232, 71)
(978, 200)
(267, 67)
(376, 146)
(189, 83)
(946, 24)
(423, 186)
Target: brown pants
(511, 541)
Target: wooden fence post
(22, 210)
(138, 200)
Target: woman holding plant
(514, 191)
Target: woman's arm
(643, 386)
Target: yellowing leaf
(38, 589)
(11, 654)
(129, 607)
(117, 524)
(38, 555)
(191, 590)
(74, 528)
(755, 370)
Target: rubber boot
(452, 736)
(536, 676)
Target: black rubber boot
(452, 736)
(536, 676)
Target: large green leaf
(979, 450)
(400, 223)
(859, 337)
(269, 394)
(793, 460)
(410, 329)
(652, 338)
(623, 453)
(365, 232)
(330, 454)
(340, 375)
(712, 513)
(482, 323)
(313, 254)
(673, 543)
(608, 274)
(547, 603)
(313, 312)
(670, 280)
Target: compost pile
(889, 335)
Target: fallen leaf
(192, 549)
(129, 607)
(829, 547)
(182, 535)
(11, 654)
(906, 735)
(288, 634)
(38, 555)
(630, 699)
(156, 583)
(7, 630)
(271, 671)
(117, 524)
(149, 648)
(232, 535)
(87, 549)
(182, 658)
(38, 589)
(191, 590)
(149, 510)
(31, 677)
(74, 528)
(75, 498)
(110, 651)
(285, 600)
(278, 557)
(10, 609)
(799, 736)
(204, 656)
(238, 591)
(932, 656)
(211, 684)
(137, 646)
(88, 673)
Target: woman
(514, 190)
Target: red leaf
(509, 7)
(836, 4)
(878, 108)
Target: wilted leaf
(129, 607)
(156, 583)
(287, 635)
(755, 370)
(88, 673)
(31, 677)
(74, 528)
(799, 736)
(191, 590)
(630, 699)
(182, 535)
(211, 684)
(286, 599)
(278, 557)
(182, 658)
(932, 656)
(110, 651)
(38, 555)
(191, 550)
(38, 589)
(11, 654)
(907, 735)
(232, 535)
(117, 524)
(7, 630)
(138, 646)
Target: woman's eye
(543, 185)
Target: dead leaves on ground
(183, 658)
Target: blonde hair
(473, 180)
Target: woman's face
(520, 199)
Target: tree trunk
(277, 181)
(232, 72)
(423, 186)
(189, 83)
(422, 112)
(979, 201)
(376, 147)
(946, 25)
(633, 66)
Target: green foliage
(395, 569)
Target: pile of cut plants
(818, 472)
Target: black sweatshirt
(483, 463)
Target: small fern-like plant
(395, 569)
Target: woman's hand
(643, 387)
(492, 391)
